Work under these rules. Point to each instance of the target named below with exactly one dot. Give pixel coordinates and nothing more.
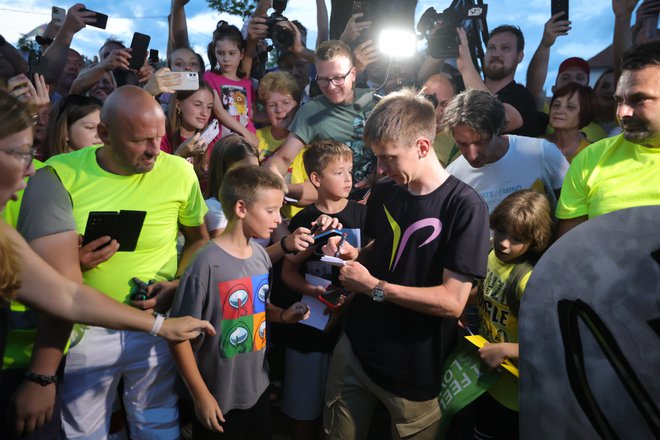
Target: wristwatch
(378, 293)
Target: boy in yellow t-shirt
(522, 230)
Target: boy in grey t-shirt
(228, 283)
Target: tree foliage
(241, 8)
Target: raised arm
(322, 22)
(621, 39)
(56, 53)
(472, 80)
(537, 72)
(178, 32)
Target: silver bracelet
(158, 323)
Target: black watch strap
(41, 379)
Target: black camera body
(281, 37)
(439, 29)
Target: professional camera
(439, 29)
(281, 37)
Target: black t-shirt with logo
(416, 238)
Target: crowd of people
(323, 248)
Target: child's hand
(495, 354)
(299, 240)
(325, 222)
(209, 413)
(298, 311)
(346, 252)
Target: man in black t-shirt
(411, 283)
(504, 51)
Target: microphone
(365, 99)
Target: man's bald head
(126, 103)
(443, 89)
(131, 128)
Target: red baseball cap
(580, 63)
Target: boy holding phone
(229, 282)
(329, 165)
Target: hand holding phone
(333, 296)
(363, 8)
(321, 238)
(99, 20)
(210, 133)
(558, 6)
(139, 46)
(186, 80)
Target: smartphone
(100, 20)
(332, 296)
(153, 56)
(189, 81)
(58, 15)
(364, 8)
(124, 226)
(99, 224)
(129, 226)
(210, 133)
(139, 46)
(36, 64)
(558, 6)
(322, 238)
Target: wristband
(158, 323)
(41, 379)
(286, 251)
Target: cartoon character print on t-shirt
(243, 303)
(364, 161)
(235, 101)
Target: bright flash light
(397, 43)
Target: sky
(592, 24)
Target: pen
(341, 242)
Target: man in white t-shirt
(496, 165)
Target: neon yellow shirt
(610, 175)
(170, 195)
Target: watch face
(378, 294)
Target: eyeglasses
(24, 156)
(336, 80)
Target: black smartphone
(99, 224)
(322, 238)
(332, 296)
(558, 6)
(36, 64)
(139, 47)
(364, 8)
(124, 226)
(100, 20)
(153, 56)
(129, 226)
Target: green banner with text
(464, 379)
